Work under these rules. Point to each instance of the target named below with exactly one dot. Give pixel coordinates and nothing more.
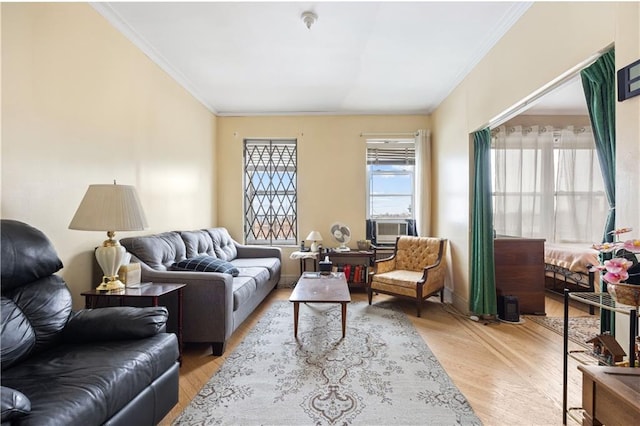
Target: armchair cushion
(14, 404)
(400, 278)
(206, 264)
(114, 323)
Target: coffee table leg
(296, 309)
(344, 318)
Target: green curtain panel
(599, 84)
(483, 277)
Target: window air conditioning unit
(388, 230)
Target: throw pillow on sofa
(206, 264)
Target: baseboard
(458, 302)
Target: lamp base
(111, 284)
(110, 256)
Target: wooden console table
(610, 395)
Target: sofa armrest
(253, 251)
(14, 404)
(114, 323)
(207, 305)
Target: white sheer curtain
(423, 182)
(547, 183)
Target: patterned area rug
(581, 329)
(382, 373)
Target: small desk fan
(342, 235)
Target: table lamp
(110, 208)
(315, 237)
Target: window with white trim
(270, 186)
(391, 179)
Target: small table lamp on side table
(315, 237)
(110, 208)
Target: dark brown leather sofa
(113, 366)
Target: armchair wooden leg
(369, 294)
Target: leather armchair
(91, 367)
(416, 270)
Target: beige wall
(82, 105)
(331, 169)
(550, 39)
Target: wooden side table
(365, 258)
(150, 291)
(303, 256)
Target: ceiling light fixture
(309, 18)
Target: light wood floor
(510, 373)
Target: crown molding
(125, 29)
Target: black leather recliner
(112, 366)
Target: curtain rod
(389, 134)
(554, 84)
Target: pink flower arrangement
(617, 269)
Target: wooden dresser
(519, 264)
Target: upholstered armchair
(416, 270)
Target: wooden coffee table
(323, 289)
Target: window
(547, 184)
(270, 186)
(391, 179)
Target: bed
(567, 266)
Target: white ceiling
(245, 58)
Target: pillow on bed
(206, 264)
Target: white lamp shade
(314, 236)
(109, 208)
